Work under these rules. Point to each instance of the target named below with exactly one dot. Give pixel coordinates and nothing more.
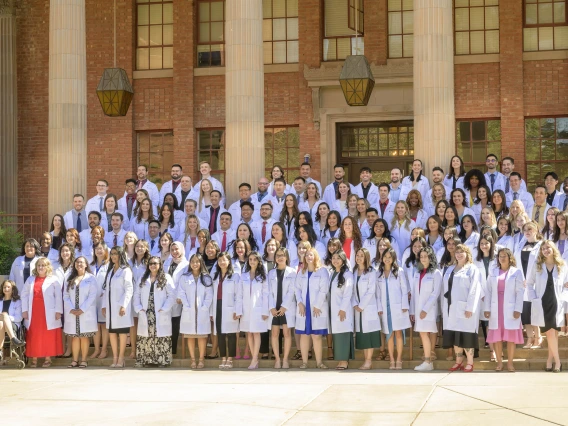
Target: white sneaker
(425, 366)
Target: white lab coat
(340, 300)
(119, 291)
(100, 280)
(304, 206)
(288, 295)
(472, 241)
(423, 186)
(164, 299)
(106, 219)
(93, 204)
(52, 300)
(449, 183)
(109, 238)
(17, 271)
(197, 187)
(543, 212)
(365, 296)
(536, 284)
(398, 298)
(531, 263)
(15, 312)
(424, 297)
(196, 300)
(437, 244)
(499, 182)
(329, 194)
(231, 302)
(401, 233)
(466, 297)
(153, 192)
(53, 257)
(371, 245)
(507, 242)
(256, 228)
(255, 304)
(87, 303)
(218, 237)
(140, 229)
(182, 267)
(319, 290)
(512, 301)
(523, 196)
(372, 195)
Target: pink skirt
(502, 334)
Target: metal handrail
(29, 225)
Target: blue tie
(79, 227)
(152, 242)
(492, 177)
(101, 204)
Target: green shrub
(10, 246)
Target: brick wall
(281, 99)
(152, 104)
(477, 90)
(545, 88)
(209, 101)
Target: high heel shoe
(456, 366)
(466, 369)
(392, 366)
(253, 366)
(529, 344)
(558, 370)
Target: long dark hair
(284, 242)
(150, 211)
(122, 262)
(394, 267)
(33, 242)
(329, 255)
(412, 257)
(411, 176)
(74, 274)
(284, 217)
(175, 204)
(15, 294)
(161, 279)
(451, 169)
(318, 217)
(446, 259)
(251, 240)
(357, 240)
(386, 234)
(248, 248)
(308, 218)
(171, 222)
(204, 276)
(473, 226)
(431, 257)
(462, 192)
(344, 267)
(456, 220)
(259, 273)
(492, 250)
(63, 229)
(230, 270)
(308, 229)
(71, 259)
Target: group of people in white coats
(349, 266)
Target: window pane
(464, 131)
(477, 42)
(562, 149)
(155, 58)
(292, 8)
(478, 154)
(168, 13)
(408, 22)
(168, 34)
(203, 12)
(395, 5)
(478, 131)
(407, 4)
(562, 128)
(530, 39)
(279, 8)
(395, 23)
(217, 31)
(531, 14)
(466, 149)
(329, 52)
(279, 52)
(217, 11)
(155, 14)
(545, 41)
(462, 3)
(143, 15)
(547, 128)
(267, 29)
(156, 35)
(476, 18)
(279, 29)
(204, 32)
(343, 48)
(267, 52)
(462, 43)
(143, 36)
(561, 37)
(168, 57)
(560, 12)
(473, 3)
(547, 150)
(395, 46)
(494, 130)
(142, 59)
(532, 128)
(492, 42)
(545, 13)
(267, 8)
(292, 27)
(491, 18)
(462, 19)
(408, 46)
(293, 52)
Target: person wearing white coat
(80, 306)
(99, 268)
(547, 285)
(461, 304)
(341, 310)
(42, 294)
(365, 306)
(117, 303)
(153, 299)
(175, 265)
(10, 313)
(425, 287)
(393, 306)
(254, 319)
(195, 292)
(401, 225)
(24, 264)
(226, 309)
(282, 305)
(312, 312)
(503, 307)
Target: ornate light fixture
(114, 90)
(356, 78)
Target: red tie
(263, 231)
(224, 242)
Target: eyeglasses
(491, 161)
(154, 263)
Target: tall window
(545, 25)
(546, 148)
(477, 138)
(211, 148)
(155, 35)
(401, 28)
(156, 151)
(211, 33)
(282, 148)
(341, 19)
(280, 31)
(476, 26)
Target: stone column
(8, 109)
(434, 115)
(67, 152)
(244, 97)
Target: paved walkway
(102, 396)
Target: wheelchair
(10, 354)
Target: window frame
(198, 42)
(286, 39)
(149, 25)
(165, 172)
(219, 174)
(351, 36)
(547, 25)
(478, 164)
(485, 30)
(268, 169)
(402, 34)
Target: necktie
(213, 221)
(263, 231)
(506, 185)
(115, 240)
(298, 198)
(152, 243)
(224, 242)
(565, 203)
(79, 227)
(129, 203)
(455, 180)
(537, 214)
(383, 207)
(492, 177)
(140, 184)
(515, 195)
(101, 204)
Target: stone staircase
(525, 359)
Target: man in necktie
(299, 188)
(79, 226)
(154, 235)
(116, 236)
(491, 163)
(214, 210)
(517, 193)
(225, 235)
(76, 217)
(97, 203)
(540, 206)
(263, 227)
(130, 196)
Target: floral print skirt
(152, 349)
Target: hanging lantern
(115, 92)
(356, 80)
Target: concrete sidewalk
(179, 396)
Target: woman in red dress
(42, 306)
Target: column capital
(7, 7)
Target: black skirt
(526, 314)
(460, 339)
(279, 321)
(549, 305)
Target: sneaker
(425, 366)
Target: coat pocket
(460, 309)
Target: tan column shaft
(434, 114)
(8, 110)
(67, 157)
(244, 79)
